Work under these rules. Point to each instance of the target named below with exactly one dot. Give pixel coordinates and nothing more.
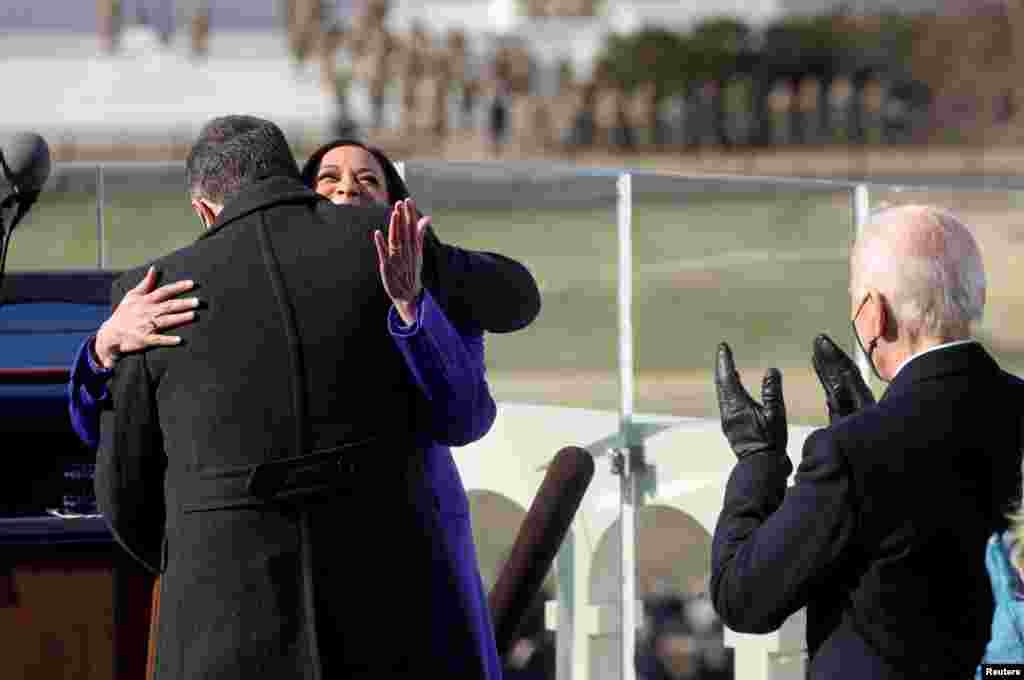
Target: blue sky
(80, 15)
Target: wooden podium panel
(73, 612)
(61, 624)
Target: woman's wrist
(102, 350)
(408, 310)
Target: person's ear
(886, 319)
(876, 315)
(206, 216)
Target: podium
(73, 603)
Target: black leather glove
(750, 427)
(845, 389)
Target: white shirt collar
(944, 345)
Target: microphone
(25, 162)
(540, 536)
(25, 158)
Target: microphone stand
(24, 202)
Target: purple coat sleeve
(449, 367)
(87, 394)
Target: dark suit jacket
(233, 464)
(882, 536)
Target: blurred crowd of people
(682, 639)
(436, 86)
(425, 87)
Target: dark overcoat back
(270, 467)
(882, 537)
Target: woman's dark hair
(397, 190)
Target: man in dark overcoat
(269, 468)
(882, 536)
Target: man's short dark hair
(233, 152)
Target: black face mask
(871, 345)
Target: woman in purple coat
(447, 363)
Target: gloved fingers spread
(775, 408)
(829, 353)
(771, 394)
(829, 362)
(844, 385)
(731, 393)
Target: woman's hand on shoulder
(143, 312)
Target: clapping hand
(142, 312)
(400, 257)
(751, 428)
(845, 389)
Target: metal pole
(100, 225)
(861, 205)
(624, 205)
(629, 455)
(566, 566)
(630, 463)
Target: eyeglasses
(871, 346)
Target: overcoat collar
(958, 359)
(262, 194)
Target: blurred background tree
(655, 55)
(735, 79)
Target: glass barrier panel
(556, 382)
(561, 225)
(996, 219)
(760, 264)
(147, 212)
(59, 232)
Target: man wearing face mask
(883, 533)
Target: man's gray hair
(928, 264)
(233, 152)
